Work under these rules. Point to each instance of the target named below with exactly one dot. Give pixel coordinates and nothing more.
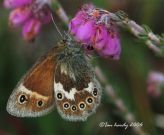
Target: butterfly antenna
(56, 25)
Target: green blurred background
(127, 76)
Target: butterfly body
(62, 78)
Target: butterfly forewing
(34, 94)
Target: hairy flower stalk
(89, 28)
(153, 41)
(30, 15)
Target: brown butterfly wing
(76, 98)
(34, 94)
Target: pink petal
(75, 22)
(100, 38)
(85, 32)
(19, 16)
(31, 29)
(112, 48)
(16, 3)
(80, 16)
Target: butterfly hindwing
(77, 97)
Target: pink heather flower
(85, 31)
(155, 82)
(90, 28)
(29, 14)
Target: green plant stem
(56, 6)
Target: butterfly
(62, 79)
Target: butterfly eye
(95, 92)
(22, 99)
(89, 100)
(73, 108)
(59, 96)
(82, 105)
(66, 105)
(40, 103)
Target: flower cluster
(96, 30)
(155, 83)
(29, 14)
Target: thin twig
(128, 116)
(160, 121)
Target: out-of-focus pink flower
(29, 14)
(154, 83)
(90, 28)
(16, 3)
(31, 29)
(18, 16)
